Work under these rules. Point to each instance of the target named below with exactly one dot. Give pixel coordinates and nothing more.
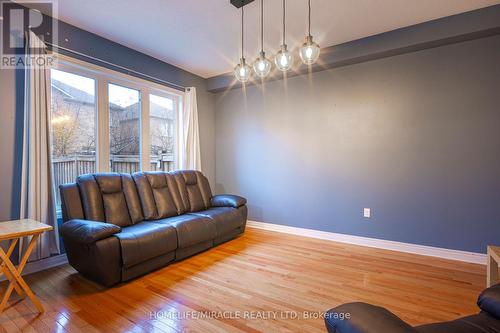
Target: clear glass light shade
(283, 59)
(309, 52)
(262, 66)
(242, 71)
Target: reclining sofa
(119, 226)
(367, 318)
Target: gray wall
(414, 137)
(96, 46)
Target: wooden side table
(13, 231)
(493, 261)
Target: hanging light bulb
(284, 58)
(262, 66)
(242, 71)
(309, 52)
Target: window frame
(105, 76)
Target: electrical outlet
(367, 212)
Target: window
(124, 128)
(102, 120)
(73, 130)
(162, 119)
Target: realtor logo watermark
(247, 315)
(24, 31)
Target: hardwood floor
(260, 271)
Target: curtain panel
(37, 193)
(188, 133)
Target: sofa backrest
(125, 199)
(71, 202)
(194, 190)
(166, 194)
(158, 193)
(111, 198)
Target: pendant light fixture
(283, 58)
(309, 52)
(262, 66)
(242, 71)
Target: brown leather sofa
(366, 318)
(119, 226)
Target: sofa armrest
(86, 232)
(364, 318)
(489, 301)
(228, 200)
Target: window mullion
(103, 126)
(178, 114)
(144, 135)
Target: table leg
(492, 272)
(16, 273)
(5, 271)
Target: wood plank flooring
(282, 276)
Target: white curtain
(188, 134)
(37, 194)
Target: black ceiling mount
(240, 3)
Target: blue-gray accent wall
(415, 137)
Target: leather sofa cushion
(489, 301)
(86, 232)
(159, 194)
(364, 318)
(115, 209)
(111, 198)
(145, 195)
(91, 198)
(132, 198)
(194, 190)
(109, 182)
(144, 241)
(480, 323)
(71, 202)
(161, 189)
(190, 229)
(228, 200)
(225, 219)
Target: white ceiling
(202, 36)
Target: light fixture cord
(262, 25)
(242, 32)
(284, 9)
(309, 26)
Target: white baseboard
(40, 265)
(471, 257)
